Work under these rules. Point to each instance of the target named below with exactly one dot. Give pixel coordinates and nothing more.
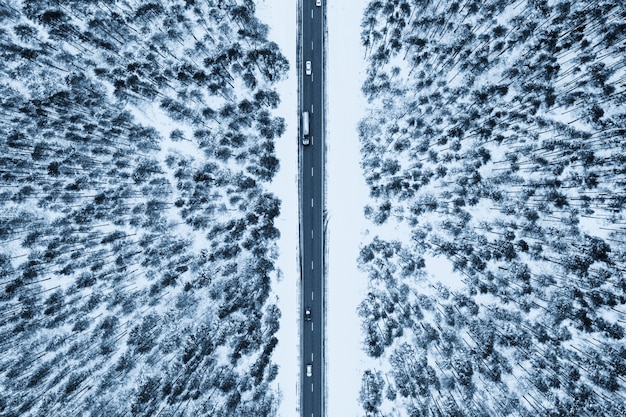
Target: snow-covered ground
(346, 197)
(280, 16)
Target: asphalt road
(312, 388)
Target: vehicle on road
(305, 128)
(307, 314)
(309, 370)
(318, 3)
(307, 68)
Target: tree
(370, 394)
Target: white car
(307, 68)
(318, 3)
(309, 370)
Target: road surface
(312, 388)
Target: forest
(137, 237)
(494, 142)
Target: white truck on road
(305, 128)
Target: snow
(280, 16)
(346, 197)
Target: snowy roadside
(346, 196)
(280, 16)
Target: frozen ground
(346, 197)
(281, 17)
